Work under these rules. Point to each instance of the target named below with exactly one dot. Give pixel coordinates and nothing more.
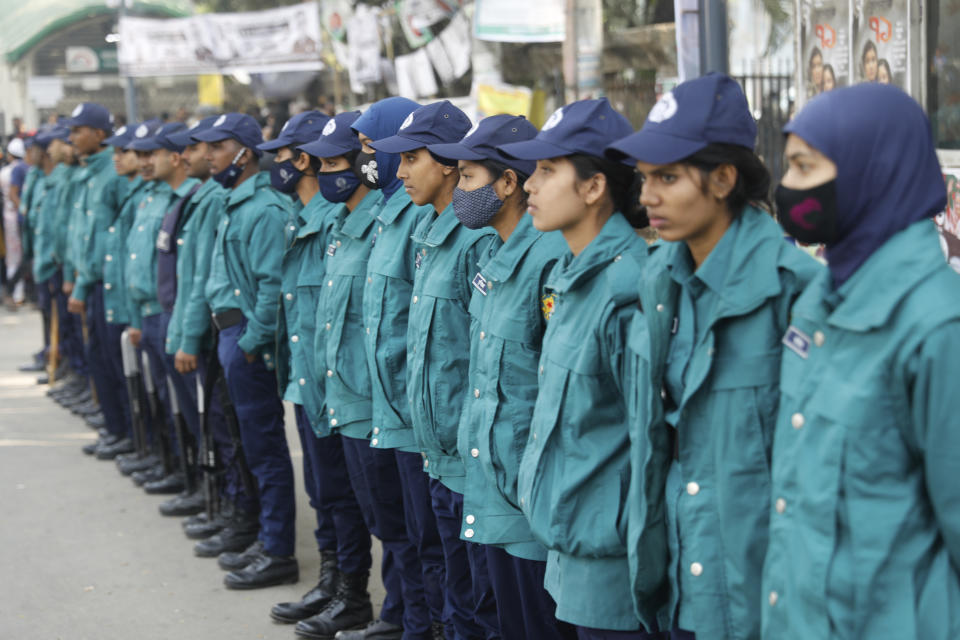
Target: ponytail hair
(621, 182)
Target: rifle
(157, 417)
(131, 372)
(184, 443)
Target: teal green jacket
(386, 309)
(61, 217)
(575, 470)
(100, 207)
(44, 190)
(140, 270)
(438, 337)
(699, 501)
(189, 327)
(341, 360)
(865, 520)
(304, 274)
(247, 261)
(130, 195)
(506, 332)
(76, 221)
(32, 194)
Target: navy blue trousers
(466, 616)
(339, 512)
(253, 390)
(106, 364)
(422, 530)
(45, 293)
(71, 336)
(153, 342)
(524, 607)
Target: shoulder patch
(547, 305)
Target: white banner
(283, 39)
(528, 21)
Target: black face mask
(809, 215)
(365, 168)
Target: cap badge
(330, 127)
(407, 122)
(122, 130)
(77, 111)
(665, 108)
(141, 131)
(553, 120)
(220, 120)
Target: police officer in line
(438, 348)
(506, 331)
(243, 292)
(94, 208)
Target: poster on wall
(881, 43)
(948, 222)
(824, 45)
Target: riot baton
(184, 443)
(207, 453)
(131, 373)
(157, 417)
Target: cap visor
(273, 145)
(323, 149)
(144, 145)
(397, 144)
(113, 140)
(653, 147)
(533, 150)
(456, 151)
(181, 140)
(212, 135)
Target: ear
(302, 161)
(507, 185)
(594, 189)
(449, 170)
(722, 181)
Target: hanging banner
(282, 39)
(512, 21)
(948, 222)
(422, 14)
(363, 44)
(881, 46)
(824, 45)
(415, 77)
(496, 99)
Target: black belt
(227, 318)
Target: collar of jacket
(248, 188)
(356, 223)
(904, 260)
(434, 230)
(395, 205)
(504, 262)
(614, 238)
(312, 216)
(99, 160)
(184, 188)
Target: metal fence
(770, 96)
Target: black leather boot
(185, 504)
(168, 484)
(350, 608)
(241, 531)
(233, 560)
(264, 570)
(316, 599)
(376, 630)
(112, 450)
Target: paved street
(84, 554)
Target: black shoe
(33, 367)
(316, 599)
(95, 421)
(170, 483)
(203, 530)
(264, 571)
(232, 560)
(185, 504)
(130, 463)
(236, 536)
(156, 472)
(70, 381)
(111, 451)
(75, 401)
(43, 379)
(376, 630)
(102, 441)
(349, 609)
(86, 409)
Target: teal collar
(356, 223)
(435, 230)
(504, 262)
(616, 237)
(247, 189)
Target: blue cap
(60, 132)
(300, 129)
(239, 126)
(431, 124)
(141, 133)
(91, 114)
(582, 127)
(121, 137)
(708, 110)
(336, 139)
(159, 138)
(482, 140)
(184, 137)
(41, 138)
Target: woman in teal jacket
(704, 354)
(865, 524)
(575, 466)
